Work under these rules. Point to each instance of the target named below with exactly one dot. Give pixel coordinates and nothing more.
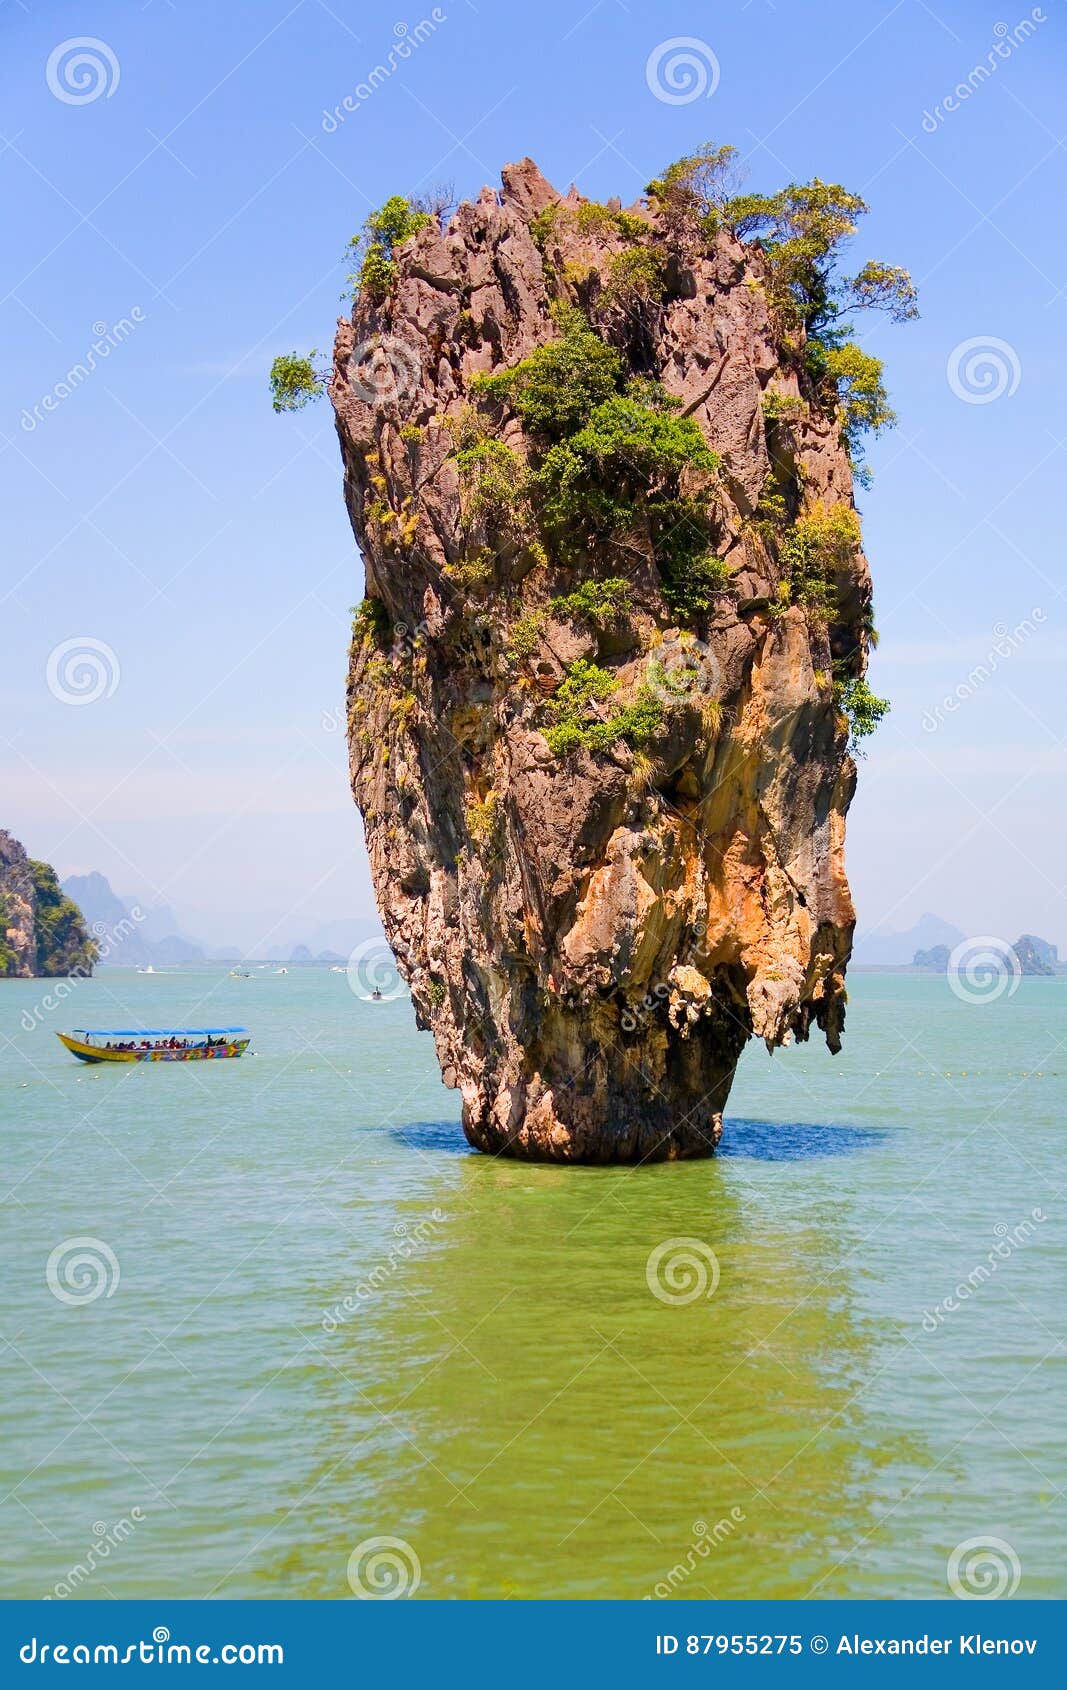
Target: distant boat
(281, 971)
(155, 1044)
(376, 996)
(148, 969)
(240, 974)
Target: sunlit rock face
(41, 931)
(593, 930)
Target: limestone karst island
(608, 675)
(42, 931)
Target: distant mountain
(874, 949)
(135, 935)
(1043, 950)
(937, 958)
(123, 931)
(1036, 956)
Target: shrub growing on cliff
(801, 230)
(525, 635)
(558, 385)
(494, 483)
(295, 381)
(8, 956)
(819, 544)
(64, 945)
(493, 480)
(616, 458)
(691, 574)
(857, 377)
(636, 276)
(371, 622)
(375, 246)
(578, 725)
(694, 190)
(625, 462)
(595, 601)
(862, 708)
(554, 390)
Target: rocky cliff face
(594, 701)
(42, 932)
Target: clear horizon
(193, 220)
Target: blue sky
(162, 511)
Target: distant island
(1034, 956)
(43, 932)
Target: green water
(503, 1391)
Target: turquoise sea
(307, 1318)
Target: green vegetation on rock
(597, 602)
(371, 622)
(64, 945)
(375, 246)
(636, 276)
(821, 542)
(554, 390)
(8, 957)
(801, 230)
(295, 381)
(862, 708)
(577, 725)
(614, 456)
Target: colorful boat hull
(86, 1052)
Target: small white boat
(147, 969)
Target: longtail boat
(155, 1044)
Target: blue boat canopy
(153, 1032)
